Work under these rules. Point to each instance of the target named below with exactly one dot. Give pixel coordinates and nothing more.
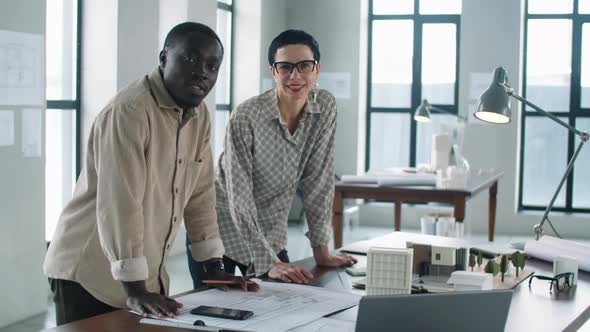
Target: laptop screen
(454, 311)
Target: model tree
(503, 266)
(492, 267)
(518, 261)
(472, 261)
(479, 259)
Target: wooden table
(418, 194)
(531, 309)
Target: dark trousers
(73, 302)
(198, 272)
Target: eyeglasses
(303, 67)
(562, 281)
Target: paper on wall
(6, 128)
(337, 84)
(21, 69)
(32, 132)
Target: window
(413, 55)
(224, 80)
(556, 75)
(63, 107)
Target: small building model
(470, 281)
(438, 260)
(389, 271)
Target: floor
(298, 248)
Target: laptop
(453, 311)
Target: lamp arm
(582, 134)
(440, 110)
(538, 229)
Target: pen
(226, 282)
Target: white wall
(130, 34)
(335, 24)
(247, 50)
(484, 46)
(22, 202)
(137, 39)
(274, 21)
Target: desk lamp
(494, 107)
(422, 113)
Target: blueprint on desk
(276, 307)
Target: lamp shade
(422, 113)
(494, 102)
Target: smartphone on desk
(219, 312)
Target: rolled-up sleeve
(121, 136)
(239, 186)
(199, 214)
(317, 181)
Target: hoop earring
(315, 92)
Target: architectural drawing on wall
(21, 69)
(6, 128)
(337, 83)
(32, 132)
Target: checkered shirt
(260, 170)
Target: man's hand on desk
(144, 302)
(227, 280)
(290, 273)
(324, 258)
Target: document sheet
(327, 324)
(391, 180)
(276, 307)
(549, 247)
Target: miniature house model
(389, 271)
(438, 260)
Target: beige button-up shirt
(144, 172)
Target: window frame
(57, 105)
(229, 8)
(416, 89)
(574, 112)
(74, 104)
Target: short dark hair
(293, 37)
(184, 29)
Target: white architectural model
(471, 281)
(443, 256)
(438, 260)
(389, 271)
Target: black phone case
(245, 314)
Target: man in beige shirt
(148, 166)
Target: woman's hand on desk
(324, 258)
(146, 303)
(290, 273)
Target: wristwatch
(213, 264)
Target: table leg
(397, 220)
(337, 219)
(492, 211)
(459, 211)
